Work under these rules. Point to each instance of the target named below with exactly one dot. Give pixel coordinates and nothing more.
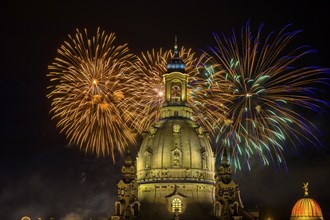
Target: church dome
(176, 64)
(306, 208)
(175, 148)
(175, 163)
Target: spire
(225, 161)
(225, 171)
(176, 52)
(128, 168)
(128, 159)
(176, 64)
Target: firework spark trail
(266, 87)
(148, 90)
(88, 84)
(244, 91)
(207, 96)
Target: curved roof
(175, 148)
(176, 64)
(306, 207)
(177, 134)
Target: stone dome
(175, 163)
(175, 148)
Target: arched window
(135, 209)
(118, 209)
(176, 92)
(176, 128)
(217, 209)
(176, 158)
(176, 205)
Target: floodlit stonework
(175, 175)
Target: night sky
(41, 176)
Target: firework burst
(266, 87)
(88, 85)
(207, 95)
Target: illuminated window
(176, 205)
(176, 128)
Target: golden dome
(306, 208)
(175, 163)
(175, 148)
(178, 149)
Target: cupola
(306, 208)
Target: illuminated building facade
(175, 175)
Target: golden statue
(306, 188)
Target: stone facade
(175, 166)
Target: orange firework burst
(89, 79)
